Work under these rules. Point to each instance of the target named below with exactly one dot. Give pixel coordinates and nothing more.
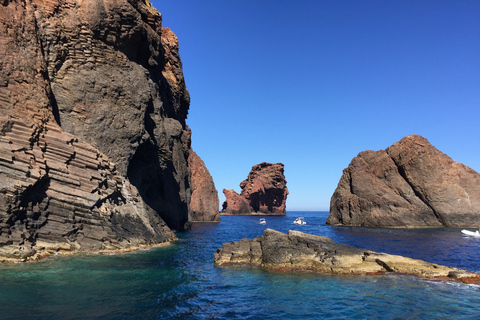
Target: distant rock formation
(204, 200)
(300, 251)
(93, 139)
(410, 184)
(264, 191)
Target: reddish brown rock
(410, 184)
(204, 200)
(235, 203)
(264, 191)
(93, 140)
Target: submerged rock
(93, 139)
(264, 191)
(410, 184)
(300, 251)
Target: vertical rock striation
(118, 84)
(410, 184)
(264, 191)
(93, 139)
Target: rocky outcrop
(300, 251)
(264, 191)
(410, 184)
(204, 200)
(93, 140)
(58, 194)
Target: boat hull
(471, 233)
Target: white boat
(262, 221)
(471, 233)
(300, 221)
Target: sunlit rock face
(410, 184)
(297, 251)
(204, 201)
(93, 139)
(264, 191)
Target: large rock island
(93, 141)
(300, 251)
(409, 184)
(263, 192)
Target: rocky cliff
(410, 184)
(204, 202)
(93, 139)
(300, 251)
(264, 191)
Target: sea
(180, 281)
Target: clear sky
(313, 83)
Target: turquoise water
(181, 282)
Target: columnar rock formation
(300, 251)
(93, 139)
(204, 203)
(410, 184)
(264, 191)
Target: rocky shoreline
(49, 253)
(298, 251)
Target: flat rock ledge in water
(298, 251)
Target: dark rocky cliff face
(118, 84)
(410, 184)
(264, 191)
(93, 140)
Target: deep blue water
(181, 282)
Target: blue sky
(313, 83)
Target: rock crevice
(419, 195)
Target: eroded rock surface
(204, 200)
(264, 191)
(93, 140)
(410, 184)
(300, 251)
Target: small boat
(471, 233)
(300, 221)
(262, 221)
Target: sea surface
(180, 281)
